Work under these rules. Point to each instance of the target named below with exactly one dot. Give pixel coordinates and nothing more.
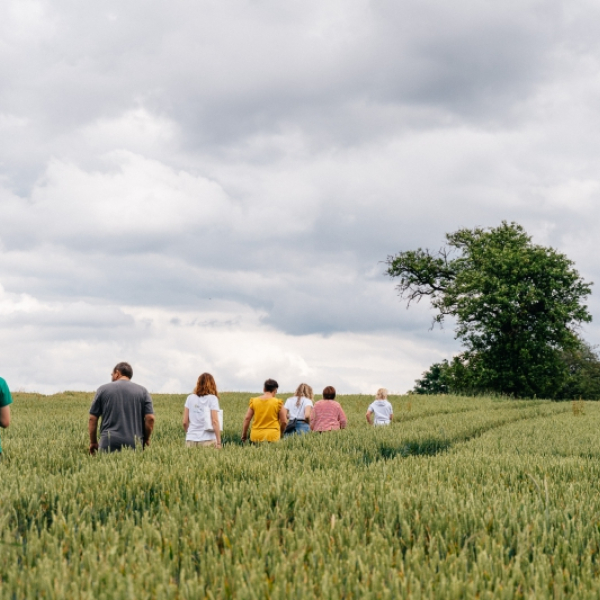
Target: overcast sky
(213, 185)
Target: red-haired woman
(199, 430)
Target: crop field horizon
(458, 498)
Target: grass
(460, 497)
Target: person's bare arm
(186, 418)
(307, 412)
(247, 420)
(148, 428)
(368, 417)
(282, 419)
(343, 419)
(4, 416)
(214, 417)
(93, 430)
(391, 417)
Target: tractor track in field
(518, 405)
(434, 445)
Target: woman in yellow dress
(270, 417)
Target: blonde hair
(303, 391)
(382, 394)
(206, 385)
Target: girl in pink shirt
(328, 414)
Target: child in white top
(381, 409)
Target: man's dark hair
(329, 393)
(270, 385)
(125, 370)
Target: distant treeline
(580, 377)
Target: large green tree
(517, 306)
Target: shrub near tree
(583, 367)
(517, 306)
(437, 380)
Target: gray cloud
(176, 170)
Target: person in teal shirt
(5, 402)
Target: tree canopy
(517, 307)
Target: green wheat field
(460, 498)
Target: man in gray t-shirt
(126, 411)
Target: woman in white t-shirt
(199, 430)
(299, 407)
(381, 409)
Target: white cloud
(217, 183)
(136, 130)
(169, 348)
(134, 199)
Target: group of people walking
(270, 417)
(127, 413)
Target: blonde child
(381, 409)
